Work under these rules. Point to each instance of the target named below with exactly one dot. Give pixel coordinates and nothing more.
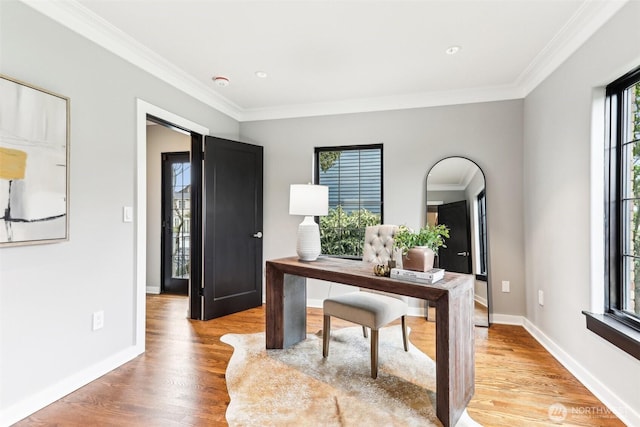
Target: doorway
(176, 223)
(163, 141)
(143, 230)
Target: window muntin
(354, 177)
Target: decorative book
(430, 276)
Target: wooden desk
(453, 298)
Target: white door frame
(143, 109)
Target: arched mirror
(456, 197)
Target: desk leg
(455, 354)
(286, 322)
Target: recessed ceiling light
(261, 74)
(452, 50)
(221, 81)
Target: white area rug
(297, 386)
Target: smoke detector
(452, 50)
(221, 81)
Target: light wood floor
(179, 381)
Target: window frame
(615, 198)
(615, 325)
(316, 176)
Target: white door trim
(143, 109)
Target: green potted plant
(419, 248)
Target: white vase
(308, 243)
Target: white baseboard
(153, 290)
(26, 407)
(506, 319)
(628, 415)
(314, 303)
(480, 300)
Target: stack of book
(427, 277)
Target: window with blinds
(354, 177)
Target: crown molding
(591, 15)
(78, 18)
(397, 102)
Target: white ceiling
(332, 57)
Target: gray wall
(49, 292)
(563, 180)
(414, 140)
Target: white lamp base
(308, 245)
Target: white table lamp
(308, 200)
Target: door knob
(258, 235)
(463, 253)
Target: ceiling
(333, 57)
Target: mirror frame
(426, 204)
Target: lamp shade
(308, 200)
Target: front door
(176, 222)
(232, 216)
(456, 257)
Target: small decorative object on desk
(428, 277)
(381, 270)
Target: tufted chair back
(378, 243)
(378, 249)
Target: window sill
(617, 333)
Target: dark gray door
(232, 227)
(456, 256)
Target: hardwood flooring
(179, 380)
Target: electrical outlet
(506, 286)
(98, 320)
(541, 297)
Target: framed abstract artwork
(34, 164)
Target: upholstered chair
(371, 309)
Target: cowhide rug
(297, 386)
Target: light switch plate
(127, 214)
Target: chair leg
(374, 353)
(364, 331)
(326, 332)
(404, 334)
